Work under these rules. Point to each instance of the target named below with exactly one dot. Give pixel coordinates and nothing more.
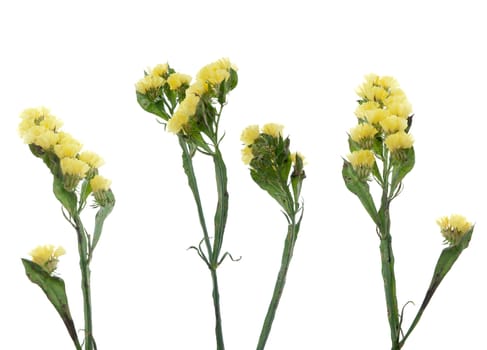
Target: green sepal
(226, 86)
(100, 217)
(55, 291)
(154, 107)
(297, 177)
(360, 188)
(67, 199)
(402, 167)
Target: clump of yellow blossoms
(187, 106)
(47, 257)
(453, 228)
(41, 131)
(384, 118)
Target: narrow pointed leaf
(100, 217)
(156, 108)
(67, 199)
(360, 189)
(55, 291)
(401, 169)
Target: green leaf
(67, 199)
(402, 168)
(221, 212)
(84, 193)
(100, 217)
(360, 189)
(156, 108)
(55, 291)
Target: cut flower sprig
(75, 178)
(281, 174)
(192, 110)
(381, 149)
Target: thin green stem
(85, 282)
(280, 283)
(220, 345)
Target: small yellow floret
(215, 73)
(362, 133)
(92, 159)
(73, 166)
(149, 83)
(250, 134)
(399, 140)
(362, 159)
(247, 154)
(177, 79)
(160, 70)
(393, 124)
(99, 183)
(177, 122)
(47, 257)
(273, 129)
(453, 228)
(67, 147)
(375, 116)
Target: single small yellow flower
(176, 80)
(250, 134)
(47, 257)
(363, 158)
(399, 140)
(73, 166)
(453, 228)
(197, 88)
(375, 116)
(388, 82)
(67, 147)
(47, 139)
(393, 124)
(247, 154)
(398, 104)
(363, 108)
(363, 134)
(149, 83)
(160, 70)
(92, 159)
(99, 183)
(273, 129)
(177, 122)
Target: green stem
(387, 258)
(85, 281)
(219, 225)
(280, 283)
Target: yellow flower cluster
(453, 228)
(382, 114)
(153, 80)
(38, 127)
(252, 133)
(209, 77)
(47, 257)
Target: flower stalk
(192, 111)
(382, 140)
(75, 178)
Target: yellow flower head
(47, 257)
(177, 122)
(372, 89)
(375, 116)
(250, 134)
(273, 129)
(247, 154)
(35, 122)
(453, 228)
(363, 108)
(399, 140)
(363, 134)
(215, 73)
(393, 124)
(73, 166)
(176, 80)
(149, 83)
(398, 104)
(99, 183)
(92, 159)
(363, 158)
(67, 147)
(160, 70)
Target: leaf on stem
(55, 291)
(100, 217)
(67, 199)
(360, 188)
(150, 106)
(402, 168)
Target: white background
(299, 63)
